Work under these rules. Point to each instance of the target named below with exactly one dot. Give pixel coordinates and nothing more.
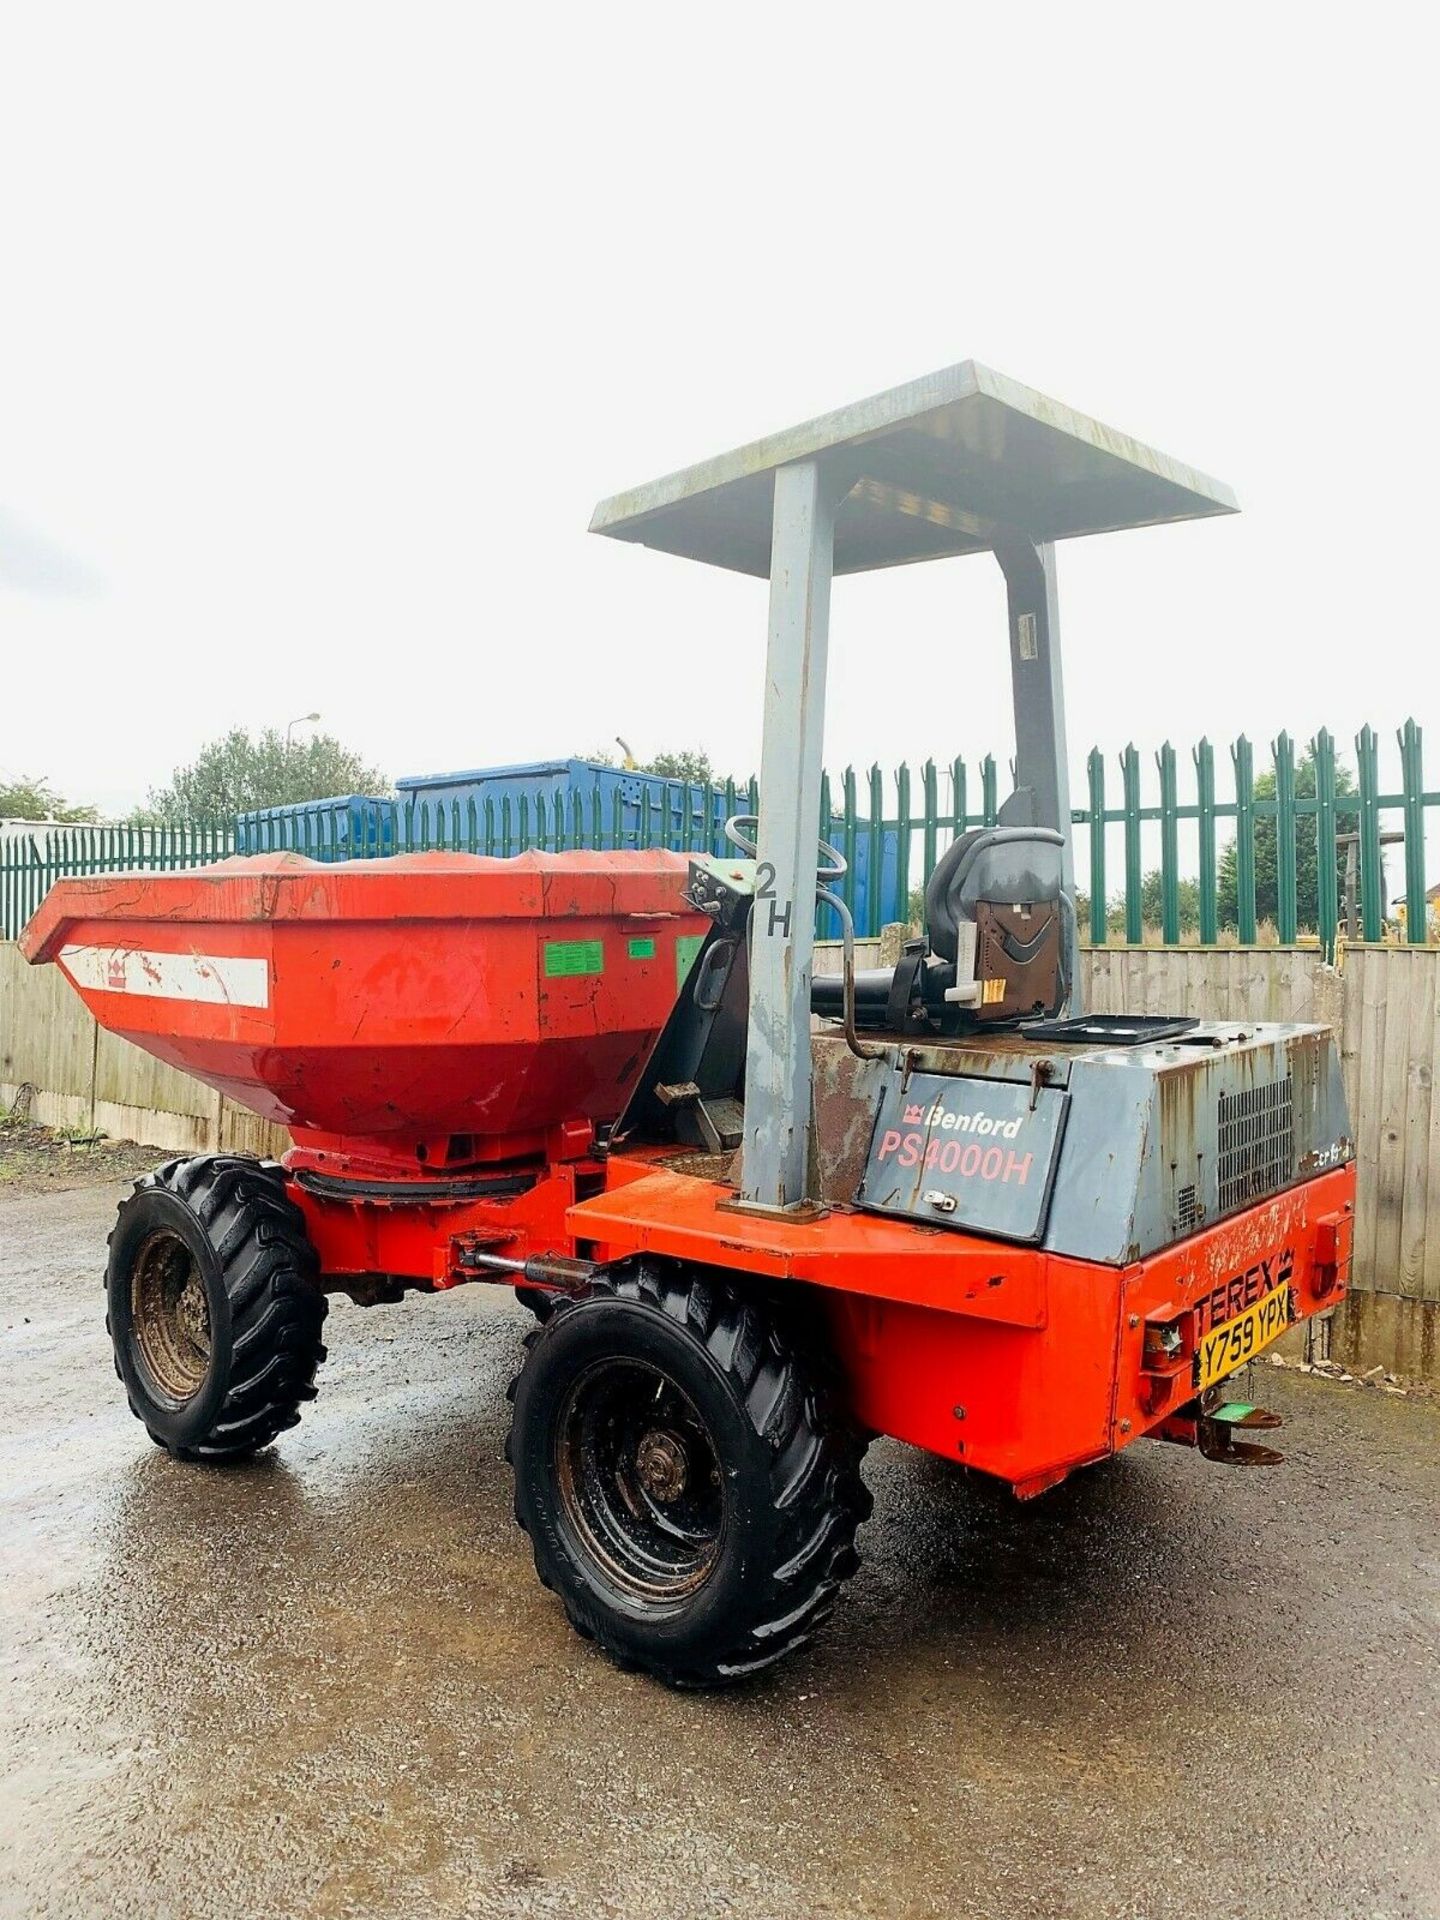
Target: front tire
(214, 1306)
(690, 1486)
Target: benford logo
(940, 1119)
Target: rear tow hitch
(1213, 1432)
(1215, 1435)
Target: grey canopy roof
(941, 466)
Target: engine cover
(1103, 1152)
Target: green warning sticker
(642, 949)
(564, 959)
(686, 948)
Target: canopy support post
(1041, 758)
(776, 1149)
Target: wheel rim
(639, 1480)
(170, 1314)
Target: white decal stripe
(220, 979)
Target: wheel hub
(192, 1314)
(170, 1316)
(661, 1464)
(639, 1482)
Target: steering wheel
(741, 830)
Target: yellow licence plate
(1230, 1345)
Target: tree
(241, 772)
(691, 763)
(26, 798)
(1307, 870)
(1152, 907)
(1152, 902)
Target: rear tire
(690, 1485)
(214, 1306)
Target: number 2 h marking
(765, 890)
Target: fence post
(1286, 909)
(1205, 807)
(1134, 880)
(989, 797)
(1243, 756)
(930, 783)
(1169, 847)
(1371, 874)
(903, 828)
(877, 852)
(827, 833)
(1327, 878)
(847, 787)
(1099, 919)
(1412, 783)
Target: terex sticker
(1269, 1274)
(962, 1152)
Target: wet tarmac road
(327, 1683)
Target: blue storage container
(550, 803)
(353, 826)
(612, 806)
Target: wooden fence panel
(47, 1042)
(1218, 983)
(124, 1080)
(1416, 1197)
(1392, 997)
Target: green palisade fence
(34, 856)
(1310, 864)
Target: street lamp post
(299, 721)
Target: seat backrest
(996, 909)
(1002, 866)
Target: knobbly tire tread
(815, 1496)
(269, 1274)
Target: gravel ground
(327, 1683)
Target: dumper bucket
(400, 1016)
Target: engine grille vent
(1257, 1143)
(1187, 1210)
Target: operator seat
(999, 926)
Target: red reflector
(1334, 1241)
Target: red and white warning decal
(218, 979)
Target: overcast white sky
(322, 328)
